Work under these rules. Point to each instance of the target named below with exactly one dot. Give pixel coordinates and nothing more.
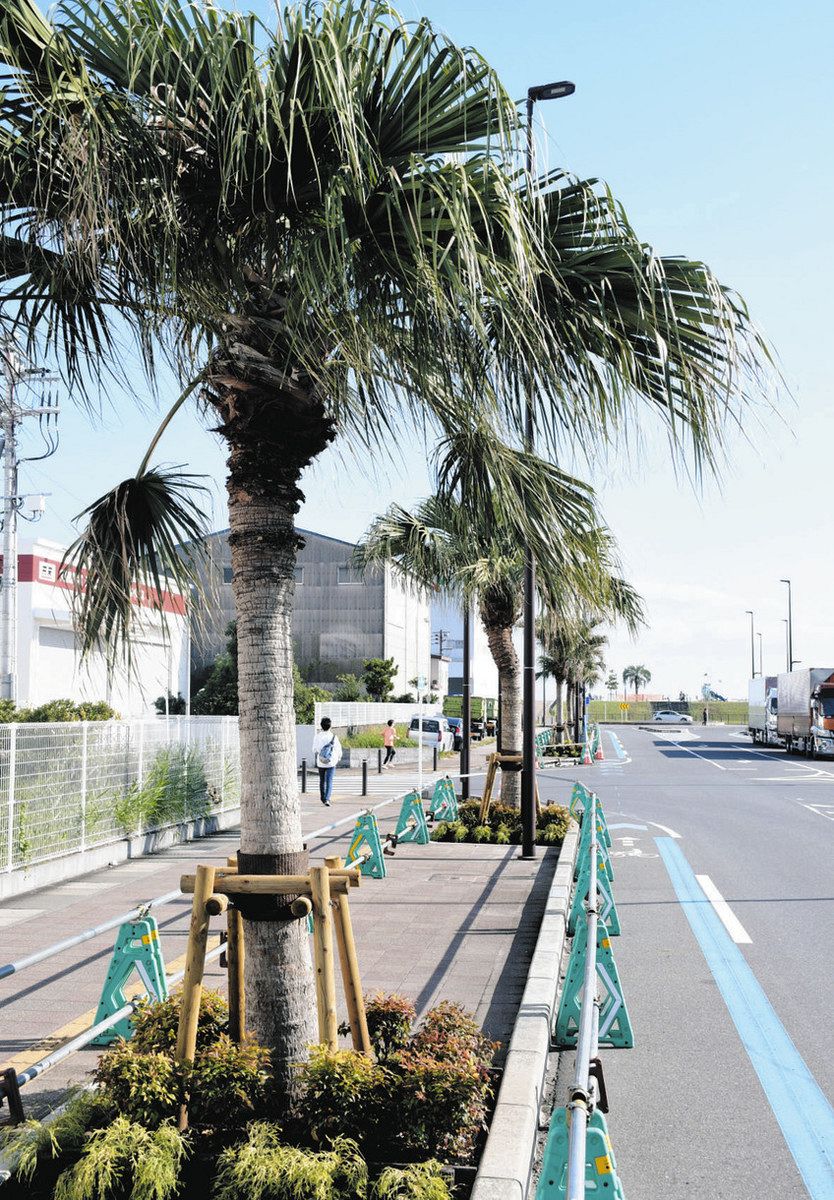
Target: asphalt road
(728, 1090)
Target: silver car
(436, 732)
(669, 717)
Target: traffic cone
(599, 756)
(586, 757)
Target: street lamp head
(787, 581)
(551, 91)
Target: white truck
(805, 717)
(762, 708)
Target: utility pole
(8, 586)
(789, 647)
(17, 371)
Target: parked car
(456, 726)
(436, 732)
(669, 717)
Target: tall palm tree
(574, 646)
(638, 676)
(324, 229)
(462, 543)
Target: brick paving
(450, 921)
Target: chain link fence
(71, 786)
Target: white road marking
(694, 753)
(724, 913)
(822, 810)
(669, 832)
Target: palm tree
(574, 646)
(462, 543)
(638, 677)
(324, 230)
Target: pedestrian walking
(389, 736)
(327, 750)
(704, 716)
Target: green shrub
(554, 814)
(438, 1107)
(35, 1149)
(390, 1020)
(125, 1160)
(146, 1087)
(344, 1093)
(420, 1181)
(552, 834)
(227, 1085)
(447, 1028)
(469, 813)
(481, 833)
(155, 1024)
(262, 1168)
(502, 835)
(174, 789)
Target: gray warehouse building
(341, 615)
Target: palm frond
(142, 542)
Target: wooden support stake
(350, 968)
(267, 885)
(195, 962)
(323, 957)
(489, 783)
(235, 959)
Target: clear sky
(712, 124)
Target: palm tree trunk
(500, 640)
(272, 438)
(559, 710)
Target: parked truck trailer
(762, 706)
(805, 717)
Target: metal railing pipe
(86, 935)
(88, 1035)
(588, 1033)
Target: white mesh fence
(69, 786)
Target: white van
(436, 732)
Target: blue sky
(712, 124)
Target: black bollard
(364, 776)
(379, 762)
(434, 759)
(303, 776)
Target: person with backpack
(327, 751)
(389, 736)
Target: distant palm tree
(638, 677)
(464, 545)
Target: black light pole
(466, 706)
(752, 645)
(547, 91)
(790, 626)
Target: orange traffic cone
(586, 757)
(599, 756)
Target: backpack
(326, 752)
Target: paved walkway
(454, 922)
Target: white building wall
(447, 616)
(48, 659)
(407, 632)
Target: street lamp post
(761, 668)
(789, 624)
(547, 91)
(752, 645)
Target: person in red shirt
(389, 736)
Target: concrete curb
(507, 1162)
(111, 854)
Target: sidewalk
(454, 922)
